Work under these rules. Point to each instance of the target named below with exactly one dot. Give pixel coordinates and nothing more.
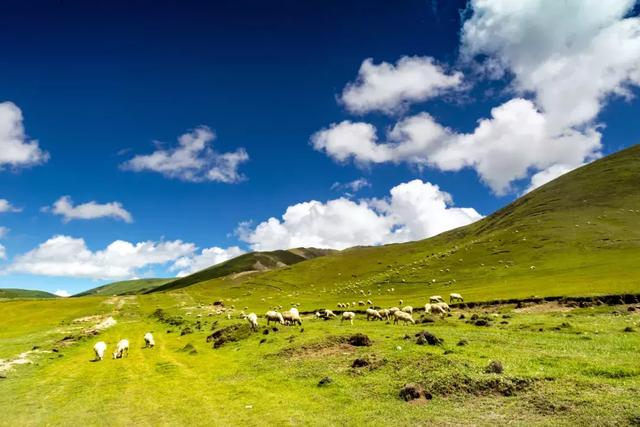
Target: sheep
(122, 349)
(348, 315)
(252, 318)
(455, 297)
(274, 316)
(427, 308)
(401, 302)
(405, 317)
(361, 303)
(437, 309)
(384, 313)
(369, 302)
(148, 340)
(443, 305)
(371, 313)
(327, 314)
(408, 309)
(292, 317)
(99, 350)
(393, 310)
(435, 299)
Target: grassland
(126, 287)
(24, 294)
(563, 364)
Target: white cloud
(415, 210)
(352, 186)
(504, 148)
(6, 206)
(192, 160)
(3, 231)
(16, 149)
(62, 293)
(90, 210)
(389, 88)
(66, 256)
(206, 258)
(3, 252)
(548, 175)
(570, 54)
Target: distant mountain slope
(251, 262)
(24, 293)
(126, 287)
(577, 235)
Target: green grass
(24, 294)
(582, 374)
(126, 287)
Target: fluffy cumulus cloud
(414, 210)
(6, 206)
(389, 88)
(16, 149)
(90, 210)
(66, 256)
(206, 258)
(63, 293)
(192, 160)
(516, 139)
(570, 54)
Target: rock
(413, 391)
(494, 367)
(325, 381)
(462, 342)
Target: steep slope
(24, 294)
(125, 287)
(577, 235)
(247, 263)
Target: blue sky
(459, 110)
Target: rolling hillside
(24, 294)
(125, 287)
(247, 263)
(577, 235)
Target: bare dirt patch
(549, 307)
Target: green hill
(125, 287)
(24, 294)
(577, 235)
(247, 263)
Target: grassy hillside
(577, 235)
(247, 263)
(24, 294)
(126, 287)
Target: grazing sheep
(148, 340)
(393, 310)
(122, 349)
(371, 313)
(401, 302)
(435, 299)
(405, 317)
(427, 308)
(437, 309)
(384, 313)
(274, 316)
(327, 314)
(348, 315)
(361, 303)
(455, 297)
(444, 306)
(292, 317)
(408, 309)
(252, 318)
(99, 350)
(369, 302)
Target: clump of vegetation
(359, 340)
(233, 333)
(426, 337)
(163, 317)
(411, 391)
(494, 367)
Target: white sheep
(148, 340)
(427, 308)
(361, 303)
(393, 310)
(348, 315)
(371, 313)
(384, 313)
(401, 302)
(437, 309)
(455, 297)
(99, 350)
(292, 317)
(252, 318)
(401, 315)
(122, 349)
(328, 313)
(444, 306)
(408, 309)
(274, 316)
(369, 302)
(435, 299)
